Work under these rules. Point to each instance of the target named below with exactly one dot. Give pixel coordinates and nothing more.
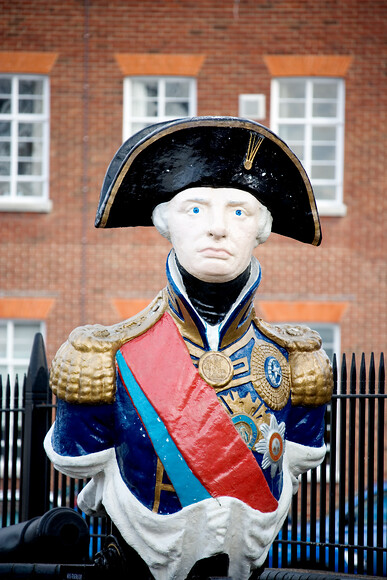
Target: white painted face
(214, 231)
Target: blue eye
(195, 210)
(238, 212)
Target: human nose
(217, 224)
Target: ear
(160, 219)
(264, 226)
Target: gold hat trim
(255, 142)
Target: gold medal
(216, 369)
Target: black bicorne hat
(161, 160)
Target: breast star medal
(271, 374)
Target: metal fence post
(35, 476)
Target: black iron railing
(338, 519)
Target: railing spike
(37, 375)
(381, 374)
(334, 372)
(343, 375)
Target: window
(16, 340)
(252, 106)
(308, 114)
(149, 100)
(24, 142)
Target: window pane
(30, 87)
(143, 89)
(30, 149)
(3, 340)
(23, 339)
(5, 129)
(327, 109)
(5, 188)
(30, 188)
(325, 90)
(5, 168)
(30, 106)
(292, 89)
(291, 132)
(5, 148)
(323, 172)
(5, 106)
(324, 152)
(145, 108)
(292, 109)
(324, 133)
(325, 192)
(250, 108)
(176, 89)
(3, 374)
(30, 130)
(29, 168)
(176, 109)
(5, 86)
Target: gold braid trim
(83, 369)
(310, 368)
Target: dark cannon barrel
(61, 535)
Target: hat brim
(162, 160)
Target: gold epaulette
(310, 368)
(83, 369)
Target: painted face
(214, 231)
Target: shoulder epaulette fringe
(83, 369)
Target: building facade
(79, 77)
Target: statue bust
(194, 418)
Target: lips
(215, 253)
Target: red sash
(193, 416)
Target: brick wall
(60, 256)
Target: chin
(212, 270)
(215, 277)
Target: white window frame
(10, 361)
(129, 118)
(14, 202)
(248, 103)
(334, 207)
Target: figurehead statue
(194, 418)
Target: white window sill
(26, 205)
(331, 209)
